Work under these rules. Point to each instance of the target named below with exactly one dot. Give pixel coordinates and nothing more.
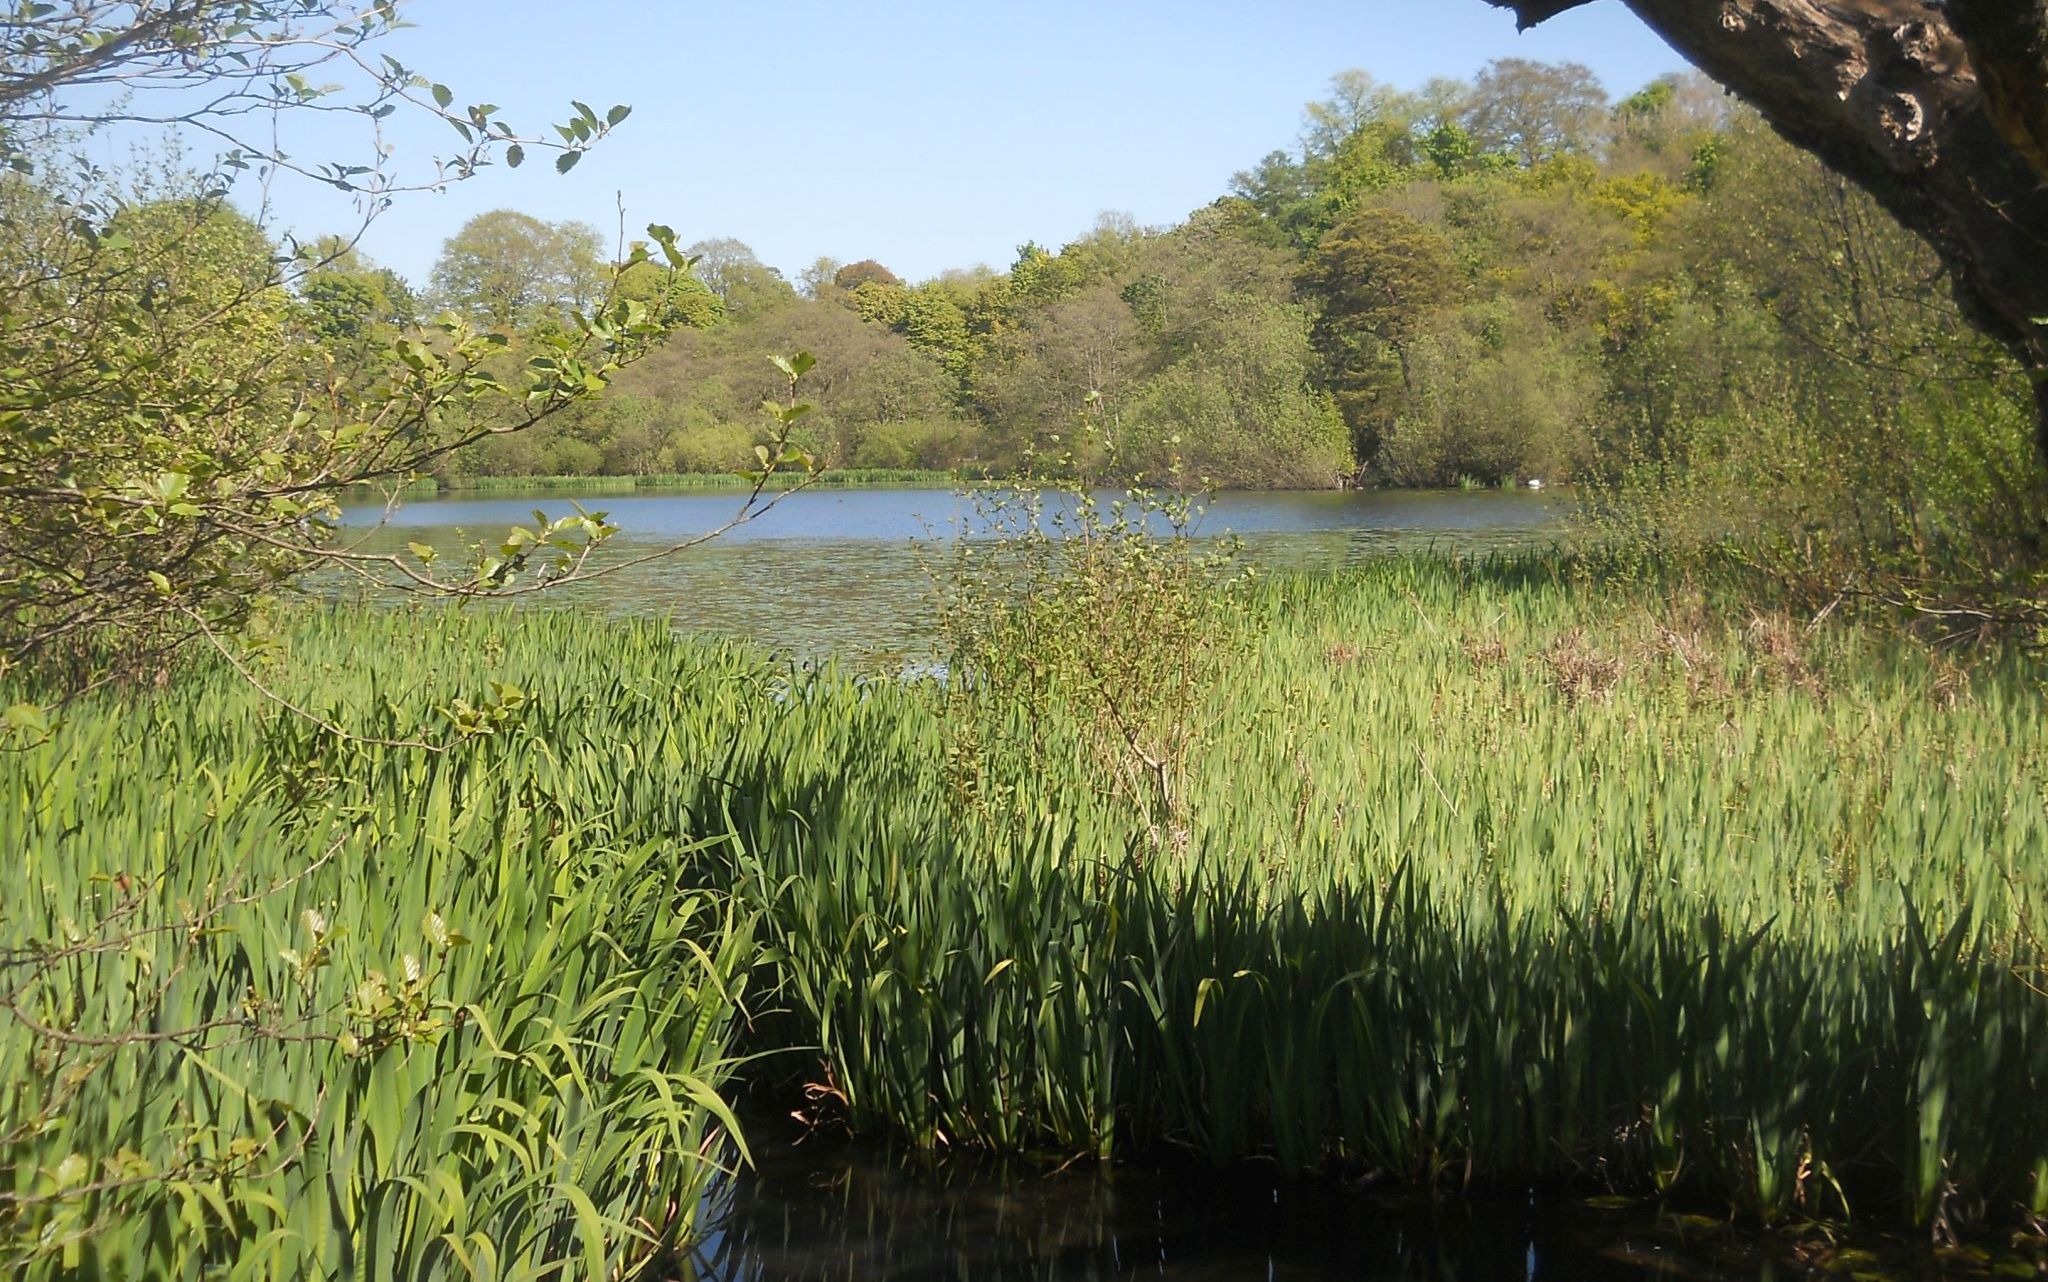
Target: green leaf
(443, 95)
(72, 1170)
(617, 114)
(515, 156)
(567, 161)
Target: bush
(941, 445)
(1491, 412)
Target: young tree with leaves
(174, 430)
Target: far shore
(831, 478)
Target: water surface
(851, 1215)
(847, 571)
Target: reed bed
(285, 1008)
(1490, 876)
(1487, 876)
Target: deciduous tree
(1535, 110)
(1379, 274)
(509, 271)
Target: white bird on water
(1535, 483)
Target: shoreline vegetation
(852, 478)
(1702, 934)
(427, 487)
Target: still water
(846, 571)
(848, 1215)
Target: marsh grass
(1491, 876)
(282, 1007)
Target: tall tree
(1378, 274)
(1535, 110)
(747, 286)
(507, 270)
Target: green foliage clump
(280, 1003)
(1104, 612)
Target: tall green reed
(280, 1006)
(1490, 875)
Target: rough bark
(1939, 110)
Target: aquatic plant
(278, 1005)
(1490, 874)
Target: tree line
(1508, 277)
(1475, 282)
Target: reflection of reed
(858, 1216)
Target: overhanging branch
(1530, 12)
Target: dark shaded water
(844, 571)
(838, 1215)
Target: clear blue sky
(924, 134)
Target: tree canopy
(1939, 111)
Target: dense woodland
(1508, 278)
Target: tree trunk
(1939, 111)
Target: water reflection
(841, 571)
(845, 1216)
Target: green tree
(877, 303)
(510, 271)
(1077, 353)
(1283, 192)
(681, 300)
(1805, 379)
(1535, 110)
(351, 299)
(815, 281)
(746, 285)
(1378, 276)
(935, 322)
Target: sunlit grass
(1492, 876)
(1488, 876)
